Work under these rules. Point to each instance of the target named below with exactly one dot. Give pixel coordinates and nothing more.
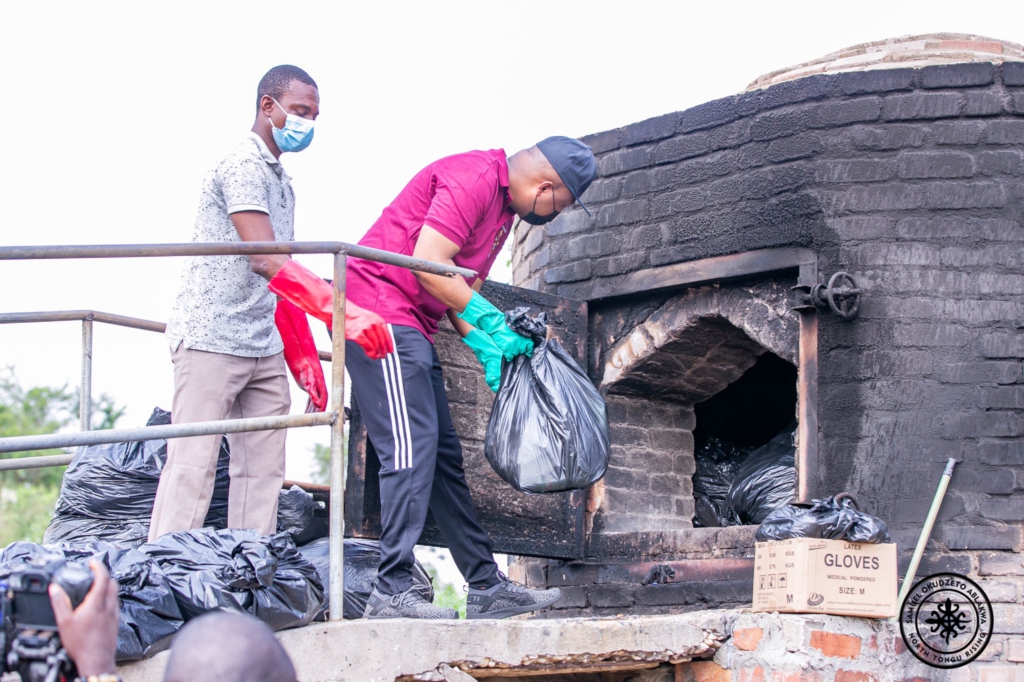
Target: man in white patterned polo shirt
(229, 355)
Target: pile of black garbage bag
(834, 518)
(717, 464)
(104, 512)
(362, 559)
(548, 430)
(186, 574)
(735, 485)
(149, 612)
(108, 491)
(301, 516)
(239, 570)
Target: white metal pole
(85, 399)
(336, 589)
(926, 532)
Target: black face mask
(535, 219)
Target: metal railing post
(85, 404)
(336, 589)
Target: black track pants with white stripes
(405, 409)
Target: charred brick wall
(910, 179)
(654, 368)
(647, 486)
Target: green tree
(28, 496)
(322, 463)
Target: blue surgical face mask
(296, 134)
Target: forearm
(254, 226)
(452, 291)
(433, 246)
(461, 326)
(267, 265)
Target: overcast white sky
(113, 111)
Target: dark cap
(573, 161)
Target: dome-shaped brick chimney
(904, 52)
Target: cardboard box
(841, 578)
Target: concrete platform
(407, 650)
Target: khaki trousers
(208, 387)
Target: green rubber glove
(488, 355)
(485, 317)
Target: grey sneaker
(508, 598)
(408, 604)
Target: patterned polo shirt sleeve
(222, 305)
(243, 184)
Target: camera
(29, 642)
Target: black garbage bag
(717, 463)
(299, 515)
(239, 570)
(18, 553)
(67, 528)
(149, 614)
(362, 560)
(765, 481)
(828, 519)
(548, 430)
(108, 491)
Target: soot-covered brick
(909, 180)
(921, 106)
(958, 76)
(882, 80)
(1013, 73)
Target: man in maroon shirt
(458, 210)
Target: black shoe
(508, 599)
(408, 604)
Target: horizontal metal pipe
(227, 249)
(133, 322)
(379, 256)
(308, 487)
(94, 315)
(35, 462)
(65, 440)
(45, 316)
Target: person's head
(549, 177)
(287, 102)
(227, 647)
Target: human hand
(510, 343)
(488, 355)
(298, 285)
(484, 316)
(89, 633)
(368, 329)
(300, 354)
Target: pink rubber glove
(299, 285)
(301, 355)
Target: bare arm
(254, 226)
(452, 291)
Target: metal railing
(87, 317)
(335, 418)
